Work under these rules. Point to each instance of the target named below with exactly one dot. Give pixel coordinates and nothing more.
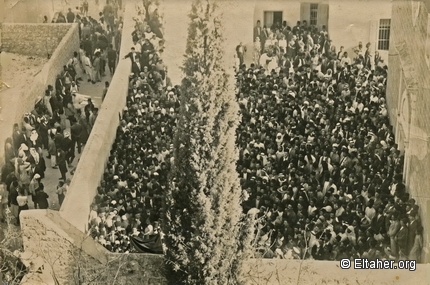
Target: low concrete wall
(281, 271)
(76, 206)
(22, 103)
(33, 39)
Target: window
(314, 15)
(384, 34)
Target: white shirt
(148, 35)
(263, 58)
(345, 60)
(87, 61)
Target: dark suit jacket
(378, 224)
(257, 32)
(18, 139)
(135, 58)
(263, 37)
(402, 239)
(411, 233)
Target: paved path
(52, 175)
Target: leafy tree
(206, 237)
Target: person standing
(88, 67)
(70, 16)
(257, 30)
(61, 191)
(88, 109)
(85, 7)
(47, 102)
(134, 57)
(24, 169)
(13, 203)
(412, 229)
(74, 61)
(415, 253)
(105, 90)
(93, 117)
(4, 201)
(96, 68)
(112, 56)
(52, 150)
(368, 62)
(17, 138)
(22, 200)
(61, 161)
(42, 197)
(76, 132)
(32, 188)
(68, 148)
(240, 51)
(402, 239)
(393, 229)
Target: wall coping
(76, 205)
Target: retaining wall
(76, 206)
(33, 39)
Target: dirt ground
(19, 70)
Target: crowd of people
(318, 159)
(281, 45)
(128, 200)
(100, 41)
(49, 135)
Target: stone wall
(408, 100)
(19, 104)
(76, 206)
(64, 251)
(33, 39)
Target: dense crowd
(317, 152)
(318, 161)
(128, 201)
(59, 125)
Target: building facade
(409, 101)
(347, 21)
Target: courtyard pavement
(52, 175)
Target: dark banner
(153, 245)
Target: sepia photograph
(214, 142)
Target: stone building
(409, 101)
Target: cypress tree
(205, 237)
